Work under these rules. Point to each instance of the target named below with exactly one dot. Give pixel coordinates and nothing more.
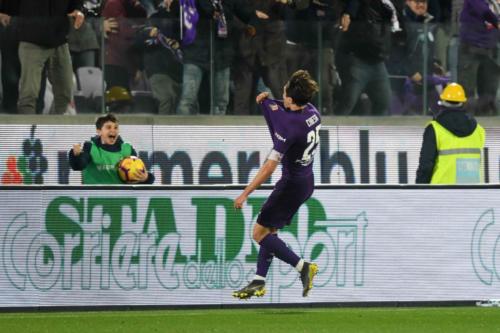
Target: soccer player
(294, 125)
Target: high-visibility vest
(459, 158)
(102, 169)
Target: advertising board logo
(30, 166)
(485, 248)
(127, 243)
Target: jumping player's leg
(264, 261)
(276, 213)
(263, 235)
(257, 286)
(271, 245)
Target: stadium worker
(294, 126)
(452, 144)
(99, 156)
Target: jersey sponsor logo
(312, 120)
(279, 137)
(104, 167)
(274, 107)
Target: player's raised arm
(261, 97)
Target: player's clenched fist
(77, 149)
(239, 201)
(262, 96)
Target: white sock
(300, 265)
(258, 277)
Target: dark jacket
(368, 36)
(198, 53)
(11, 8)
(157, 58)
(45, 22)
(267, 46)
(456, 121)
(303, 26)
(80, 162)
(413, 26)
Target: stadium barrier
(71, 246)
(208, 155)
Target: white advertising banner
(75, 247)
(200, 155)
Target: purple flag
(189, 20)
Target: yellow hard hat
(117, 94)
(453, 93)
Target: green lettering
(206, 219)
(161, 212)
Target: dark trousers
(11, 72)
(359, 76)
(320, 63)
(478, 73)
(246, 77)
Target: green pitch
(310, 320)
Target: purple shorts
(285, 200)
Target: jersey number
(312, 140)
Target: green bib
(459, 158)
(102, 168)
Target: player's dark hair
(104, 119)
(301, 87)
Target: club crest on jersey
(274, 107)
(312, 120)
(277, 135)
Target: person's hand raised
(77, 149)
(79, 18)
(261, 97)
(110, 26)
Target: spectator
(363, 49)
(162, 56)
(83, 43)
(260, 54)
(442, 17)
(42, 28)
(420, 40)
(305, 50)
(478, 71)
(452, 144)
(199, 52)
(456, 9)
(121, 64)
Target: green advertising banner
(174, 246)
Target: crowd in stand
(188, 57)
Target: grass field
(310, 320)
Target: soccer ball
(128, 166)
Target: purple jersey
(295, 134)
